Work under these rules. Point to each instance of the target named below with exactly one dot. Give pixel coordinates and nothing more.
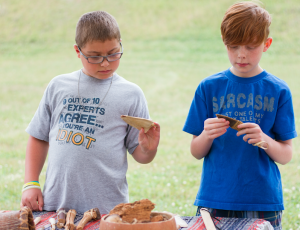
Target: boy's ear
(77, 50)
(268, 44)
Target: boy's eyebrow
(90, 52)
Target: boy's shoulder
(63, 79)
(278, 85)
(215, 76)
(125, 85)
(66, 76)
(276, 81)
(121, 80)
(212, 79)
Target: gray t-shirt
(88, 143)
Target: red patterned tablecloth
(194, 222)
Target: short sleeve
(194, 123)
(139, 110)
(284, 127)
(39, 127)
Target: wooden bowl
(168, 224)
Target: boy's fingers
(40, 202)
(157, 126)
(141, 133)
(253, 141)
(215, 120)
(246, 125)
(216, 131)
(245, 131)
(215, 135)
(28, 204)
(34, 205)
(215, 126)
(31, 199)
(247, 137)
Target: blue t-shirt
(236, 175)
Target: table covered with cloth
(194, 222)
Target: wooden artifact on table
(70, 220)
(52, 222)
(137, 216)
(138, 122)
(61, 217)
(233, 123)
(167, 224)
(22, 219)
(156, 218)
(139, 210)
(92, 214)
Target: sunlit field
(169, 47)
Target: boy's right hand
(33, 198)
(215, 127)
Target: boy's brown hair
(245, 23)
(96, 25)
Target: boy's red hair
(245, 23)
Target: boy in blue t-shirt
(238, 178)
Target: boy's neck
(257, 70)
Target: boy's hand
(252, 131)
(215, 127)
(33, 198)
(149, 141)
(145, 152)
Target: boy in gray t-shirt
(78, 123)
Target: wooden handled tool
(209, 224)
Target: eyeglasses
(100, 59)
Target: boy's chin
(101, 76)
(242, 71)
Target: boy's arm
(279, 151)
(148, 143)
(213, 128)
(36, 153)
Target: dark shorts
(274, 217)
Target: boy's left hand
(252, 131)
(145, 152)
(149, 141)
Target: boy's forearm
(143, 157)
(279, 151)
(200, 145)
(36, 153)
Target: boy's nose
(242, 52)
(105, 63)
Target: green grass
(170, 46)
